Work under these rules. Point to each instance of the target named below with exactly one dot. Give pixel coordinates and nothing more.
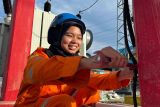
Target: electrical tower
(120, 30)
(120, 37)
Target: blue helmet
(55, 30)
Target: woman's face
(71, 40)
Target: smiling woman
(58, 77)
(72, 40)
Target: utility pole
(47, 8)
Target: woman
(58, 77)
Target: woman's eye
(69, 35)
(80, 38)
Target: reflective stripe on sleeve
(30, 72)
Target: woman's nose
(74, 40)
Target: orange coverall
(55, 82)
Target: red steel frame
(19, 48)
(147, 28)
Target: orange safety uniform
(56, 82)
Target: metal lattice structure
(120, 31)
(120, 40)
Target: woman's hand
(107, 57)
(126, 73)
(117, 60)
(94, 62)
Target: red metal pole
(147, 27)
(19, 48)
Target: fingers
(117, 60)
(109, 57)
(125, 74)
(103, 60)
(122, 62)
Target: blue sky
(101, 19)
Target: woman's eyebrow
(73, 33)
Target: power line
(88, 7)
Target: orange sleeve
(108, 81)
(42, 69)
(79, 80)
